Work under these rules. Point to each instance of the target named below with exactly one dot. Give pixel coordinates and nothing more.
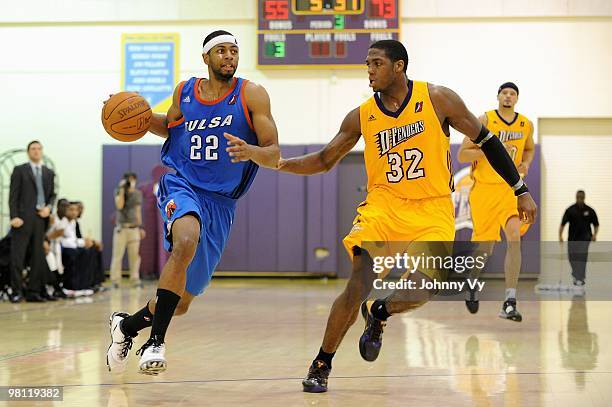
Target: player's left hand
(238, 149)
(527, 208)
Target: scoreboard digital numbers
(322, 33)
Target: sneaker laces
(377, 328)
(151, 342)
(126, 345)
(318, 370)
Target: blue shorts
(175, 199)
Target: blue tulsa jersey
(195, 147)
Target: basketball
(126, 116)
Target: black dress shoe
(15, 298)
(48, 297)
(35, 298)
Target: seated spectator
(54, 253)
(76, 258)
(96, 252)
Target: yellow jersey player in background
(493, 206)
(405, 126)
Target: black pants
(578, 253)
(82, 268)
(29, 236)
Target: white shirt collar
(33, 165)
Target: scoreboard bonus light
(322, 33)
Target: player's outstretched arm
(159, 122)
(267, 152)
(325, 159)
(452, 108)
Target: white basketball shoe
(117, 354)
(152, 357)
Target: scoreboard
(322, 33)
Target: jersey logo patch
(390, 138)
(170, 208)
(522, 124)
(232, 101)
(371, 118)
(187, 99)
(418, 107)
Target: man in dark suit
(31, 198)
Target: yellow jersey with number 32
(514, 136)
(406, 152)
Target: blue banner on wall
(150, 67)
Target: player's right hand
(16, 223)
(527, 208)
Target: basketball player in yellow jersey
(405, 126)
(493, 205)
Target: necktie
(40, 194)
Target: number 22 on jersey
(210, 149)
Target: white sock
(510, 293)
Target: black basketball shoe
(316, 381)
(371, 338)
(471, 302)
(509, 311)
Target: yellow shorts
(492, 205)
(385, 218)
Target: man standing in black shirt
(580, 218)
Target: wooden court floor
(249, 343)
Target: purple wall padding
(262, 214)
(118, 159)
(115, 162)
(321, 218)
(291, 227)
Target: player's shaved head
(394, 50)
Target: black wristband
(522, 189)
(483, 136)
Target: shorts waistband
(218, 198)
(380, 191)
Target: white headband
(219, 40)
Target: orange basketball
(126, 116)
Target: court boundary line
(277, 379)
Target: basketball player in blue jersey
(218, 132)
